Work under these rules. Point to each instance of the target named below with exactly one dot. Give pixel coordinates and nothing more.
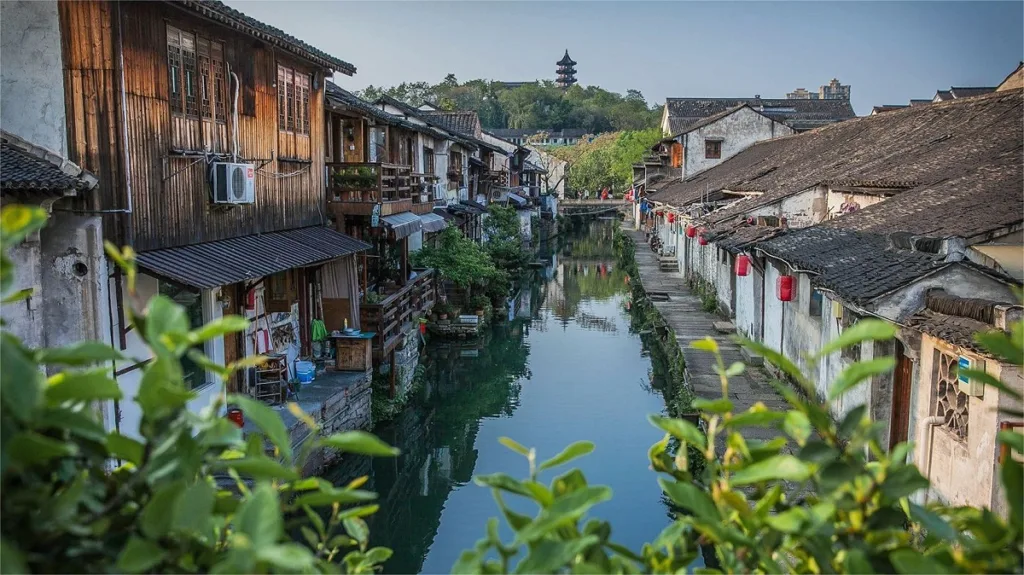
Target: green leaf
(92, 385)
(911, 561)
(378, 555)
(514, 446)
(577, 449)
(858, 372)
(288, 557)
(357, 529)
(1000, 345)
(259, 516)
(515, 520)
(11, 559)
(933, 523)
(1012, 475)
(123, 447)
(566, 509)
(780, 361)
(268, 421)
(140, 555)
(332, 495)
(680, 429)
(78, 422)
(504, 482)
(779, 467)
(735, 369)
(219, 327)
(29, 448)
(689, 496)
(852, 421)
(755, 419)
(258, 467)
(550, 556)
(1012, 439)
(989, 380)
(789, 521)
(903, 481)
(857, 562)
(863, 330)
(706, 344)
(18, 221)
(310, 536)
(80, 354)
(360, 511)
(835, 475)
(713, 405)
(158, 513)
(359, 442)
(17, 296)
(797, 426)
(21, 382)
(194, 508)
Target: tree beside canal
(607, 160)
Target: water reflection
(568, 366)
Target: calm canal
(568, 367)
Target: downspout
(130, 226)
(925, 430)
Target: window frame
(173, 290)
(196, 64)
(713, 149)
(294, 100)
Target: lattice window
(174, 68)
(292, 100)
(282, 105)
(189, 81)
(302, 103)
(950, 401)
(195, 68)
(205, 82)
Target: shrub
(189, 494)
(824, 496)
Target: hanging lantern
(785, 288)
(750, 221)
(702, 240)
(691, 231)
(742, 265)
(671, 218)
(236, 416)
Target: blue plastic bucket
(304, 371)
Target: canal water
(568, 366)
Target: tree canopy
(607, 160)
(536, 106)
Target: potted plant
(480, 303)
(442, 310)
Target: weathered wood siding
(170, 191)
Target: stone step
(751, 358)
(724, 327)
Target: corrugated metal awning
(443, 213)
(225, 262)
(516, 199)
(433, 223)
(404, 224)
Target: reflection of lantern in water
(628, 306)
(626, 280)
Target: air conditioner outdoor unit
(234, 183)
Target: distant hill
(530, 105)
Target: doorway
(899, 424)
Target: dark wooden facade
(154, 160)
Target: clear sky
(888, 51)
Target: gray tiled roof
(526, 132)
(969, 92)
(953, 329)
(226, 15)
(798, 114)
(709, 120)
(465, 123)
(28, 168)
(907, 148)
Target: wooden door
(233, 341)
(900, 422)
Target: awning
(474, 207)
(518, 200)
(433, 223)
(475, 162)
(225, 262)
(444, 213)
(403, 225)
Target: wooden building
(206, 130)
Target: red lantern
(785, 288)
(691, 231)
(750, 221)
(742, 265)
(661, 214)
(250, 300)
(423, 327)
(702, 240)
(671, 218)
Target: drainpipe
(925, 432)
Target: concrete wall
(723, 280)
(774, 310)
(737, 131)
(962, 472)
(801, 210)
(749, 301)
(801, 329)
(31, 73)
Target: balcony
(393, 317)
(354, 188)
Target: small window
(428, 160)
(292, 100)
(192, 301)
(814, 309)
(712, 149)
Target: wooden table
(353, 352)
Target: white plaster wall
(962, 472)
(723, 281)
(774, 310)
(837, 199)
(31, 73)
(804, 209)
(707, 262)
(748, 304)
(137, 351)
(802, 331)
(957, 280)
(738, 132)
(24, 318)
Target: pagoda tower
(566, 72)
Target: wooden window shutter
(280, 292)
(677, 155)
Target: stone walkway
(684, 314)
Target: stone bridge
(595, 207)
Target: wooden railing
(368, 182)
(393, 317)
